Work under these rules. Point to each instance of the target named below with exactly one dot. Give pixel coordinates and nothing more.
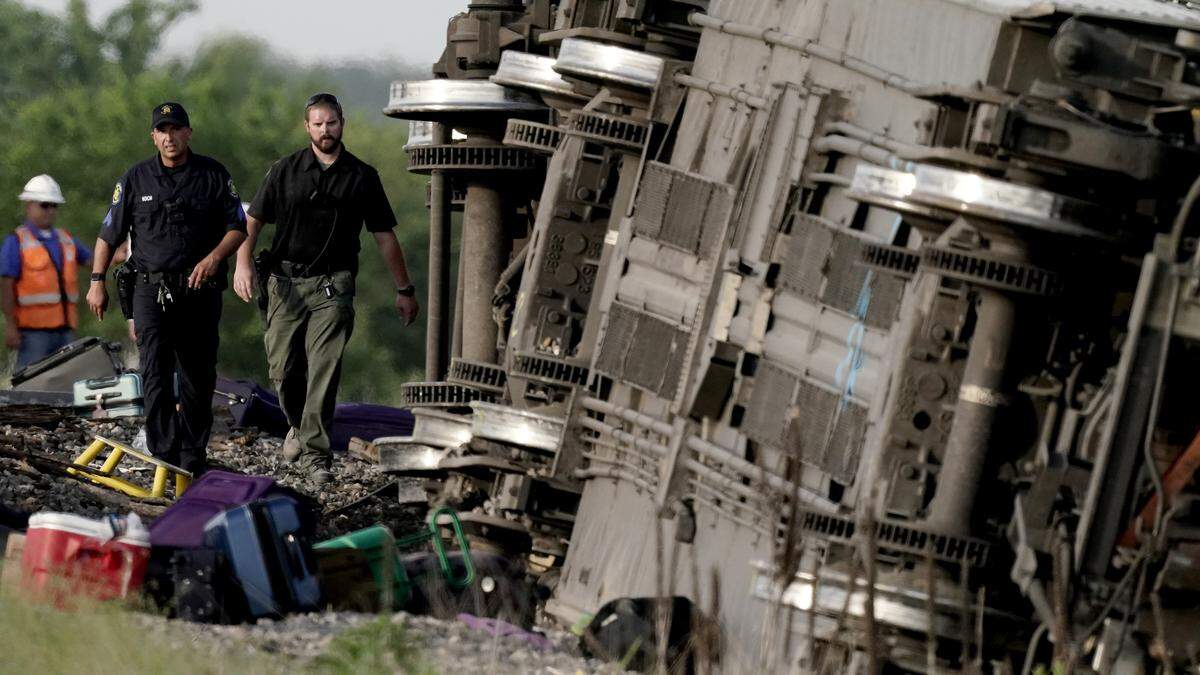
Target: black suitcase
(268, 544)
(83, 359)
(250, 405)
(204, 588)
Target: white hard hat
(42, 188)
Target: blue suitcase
(268, 545)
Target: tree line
(75, 101)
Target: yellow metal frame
(105, 477)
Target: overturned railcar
(867, 326)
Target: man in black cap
(185, 218)
(320, 198)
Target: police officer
(184, 215)
(320, 198)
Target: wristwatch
(408, 291)
(98, 277)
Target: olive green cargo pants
(309, 322)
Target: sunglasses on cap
(48, 205)
(316, 99)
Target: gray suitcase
(116, 396)
(83, 359)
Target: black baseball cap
(169, 113)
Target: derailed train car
(865, 326)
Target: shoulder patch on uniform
(232, 190)
(116, 195)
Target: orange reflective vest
(44, 298)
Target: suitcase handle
(295, 552)
(102, 382)
(233, 398)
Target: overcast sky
(312, 30)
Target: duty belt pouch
(126, 278)
(264, 264)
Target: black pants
(180, 338)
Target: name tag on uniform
(147, 198)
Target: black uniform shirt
(176, 216)
(320, 213)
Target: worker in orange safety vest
(39, 278)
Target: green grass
(378, 647)
(107, 638)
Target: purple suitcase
(368, 422)
(182, 524)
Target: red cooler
(70, 556)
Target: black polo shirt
(319, 213)
(176, 216)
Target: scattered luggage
(67, 555)
(14, 520)
(378, 548)
(10, 521)
(205, 589)
(368, 422)
(382, 553)
(115, 396)
(504, 629)
(182, 524)
(268, 546)
(499, 589)
(83, 359)
(250, 405)
(347, 580)
(253, 406)
(626, 630)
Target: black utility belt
(294, 270)
(173, 279)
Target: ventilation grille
(823, 264)
(643, 350)
(681, 210)
(822, 429)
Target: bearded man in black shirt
(319, 199)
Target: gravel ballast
(359, 496)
